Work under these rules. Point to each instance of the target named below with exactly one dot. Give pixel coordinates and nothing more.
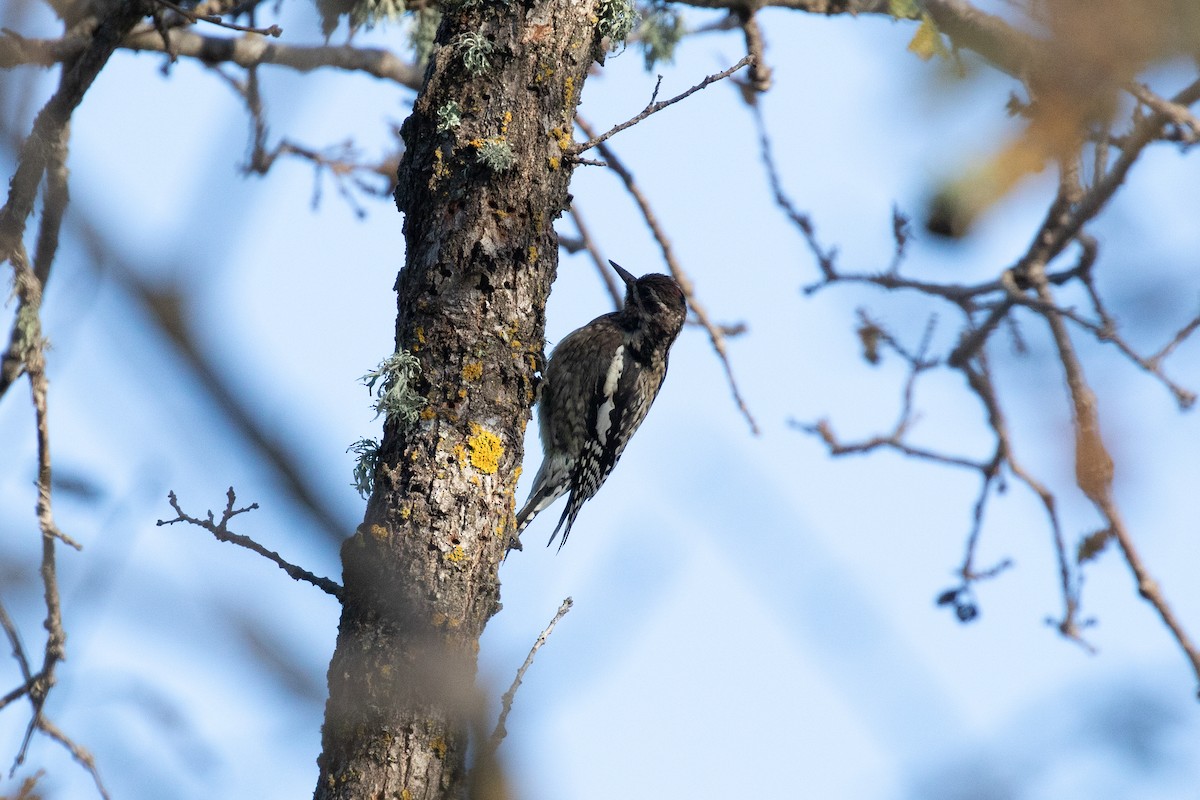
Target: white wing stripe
(611, 379)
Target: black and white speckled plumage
(598, 387)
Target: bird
(598, 386)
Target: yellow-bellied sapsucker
(598, 385)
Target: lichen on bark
(421, 574)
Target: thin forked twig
(223, 534)
(716, 333)
(506, 701)
(655, 107)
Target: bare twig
(1147, 586)
(654, 108)
(980, 381)
(825, 257)
(896, 439)
(342, 161)
(213, 19)
(1094, 468)
(81, 755)
(716, 332)
(506, 701)
(221, 531)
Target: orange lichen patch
(427, 413)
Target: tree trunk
(420, 574)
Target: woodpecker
(598, 385)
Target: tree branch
(223, 534)
(653, 108)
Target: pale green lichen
(449, 116)
(904, 9)
(396, 398)
(495, 154)
(615, 19)
(369, 13)
(660, 32)
(423, 33)
(474, 49)
(367, 452)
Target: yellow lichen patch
(456, 555)
(533, 254)
(427, 413)
(405, 794)
(420, 334)
(460, 453)
(439, 747)
(405, 512)
(562, 137)
(462, 394)
(378, 531)
(486, 449)
(440, 169)
(505, 122)
(555, 162)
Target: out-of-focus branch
(244, 52)
(168, 311)
(343, 162)
(593, 249)
(760, 73)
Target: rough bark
(420, 574)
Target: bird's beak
(621, 271)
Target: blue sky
(752, 618)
